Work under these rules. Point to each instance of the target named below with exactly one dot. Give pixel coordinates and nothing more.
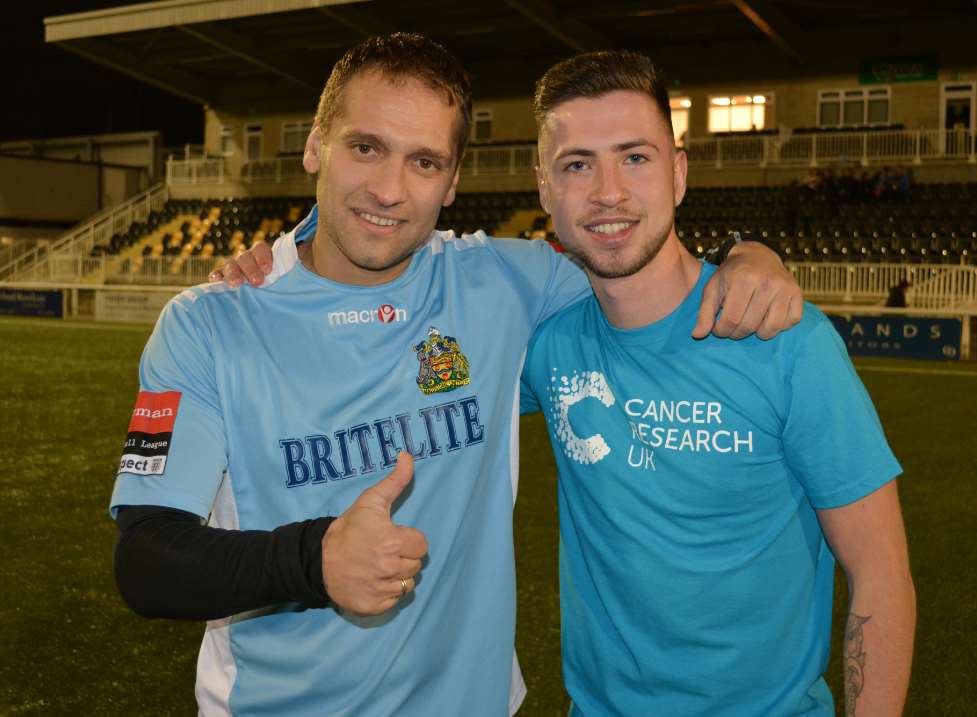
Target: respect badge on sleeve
(150, 433)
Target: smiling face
(386, 165)
(611, 178)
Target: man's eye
(636, 159)
(363, 149)
(576, 166)
(427, 164)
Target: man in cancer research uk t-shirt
(702, 487)
(695, 579)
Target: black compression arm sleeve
(169, 565)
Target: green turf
(68, 646)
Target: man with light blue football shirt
(702, 487)
(377, 343)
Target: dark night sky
(49, 92)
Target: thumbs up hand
(368, 563)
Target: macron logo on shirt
(384, 313)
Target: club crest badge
(443, 367)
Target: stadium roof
(238, 54)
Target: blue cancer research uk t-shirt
(284, 403)
(694, 577)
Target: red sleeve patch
(155, 412)
(150, 433)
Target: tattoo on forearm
(854, 661)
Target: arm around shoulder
(756, 292)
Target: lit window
(739, 113)
(294, 135)
(680, 107)
(850, 107)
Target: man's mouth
(611, 227)
(611, 231)
(377, 220)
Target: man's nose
(387, 184)
(610, 188)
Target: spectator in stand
(848, 189)
(812, 181)
(882, 182)
(793, 204)
(900, 184)
(897, 295)
(829, 190)
(866, 186)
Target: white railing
(164, 270)
(10, 255)
(196, 171)
(275, 170)
(906, 146)
(948, 288)
(933, 285)
(9, 252)
(113, 269)
(95, 231)
(821, 148)
(513, 160)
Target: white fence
(934, 286)
(510, 160)
(814, 149)
(112, 269)
(9, 255)
(189, 172)
(506, 160)
(166, 270)
(281, 169)
(79, 241)
(196, 171)
(905, 146)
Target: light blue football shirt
(695, 579)
(296, 397)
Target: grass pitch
(68, 646)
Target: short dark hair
(594, 74)
(400, 56)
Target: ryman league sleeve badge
(443, 367)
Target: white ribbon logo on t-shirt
(567, 391)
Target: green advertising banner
(883, 70)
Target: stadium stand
(817, 218)
(222, 227)
(217, 227)
(487, 211)
(934, 223)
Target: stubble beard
(368, 263)
(616, 266)
(363, 261)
